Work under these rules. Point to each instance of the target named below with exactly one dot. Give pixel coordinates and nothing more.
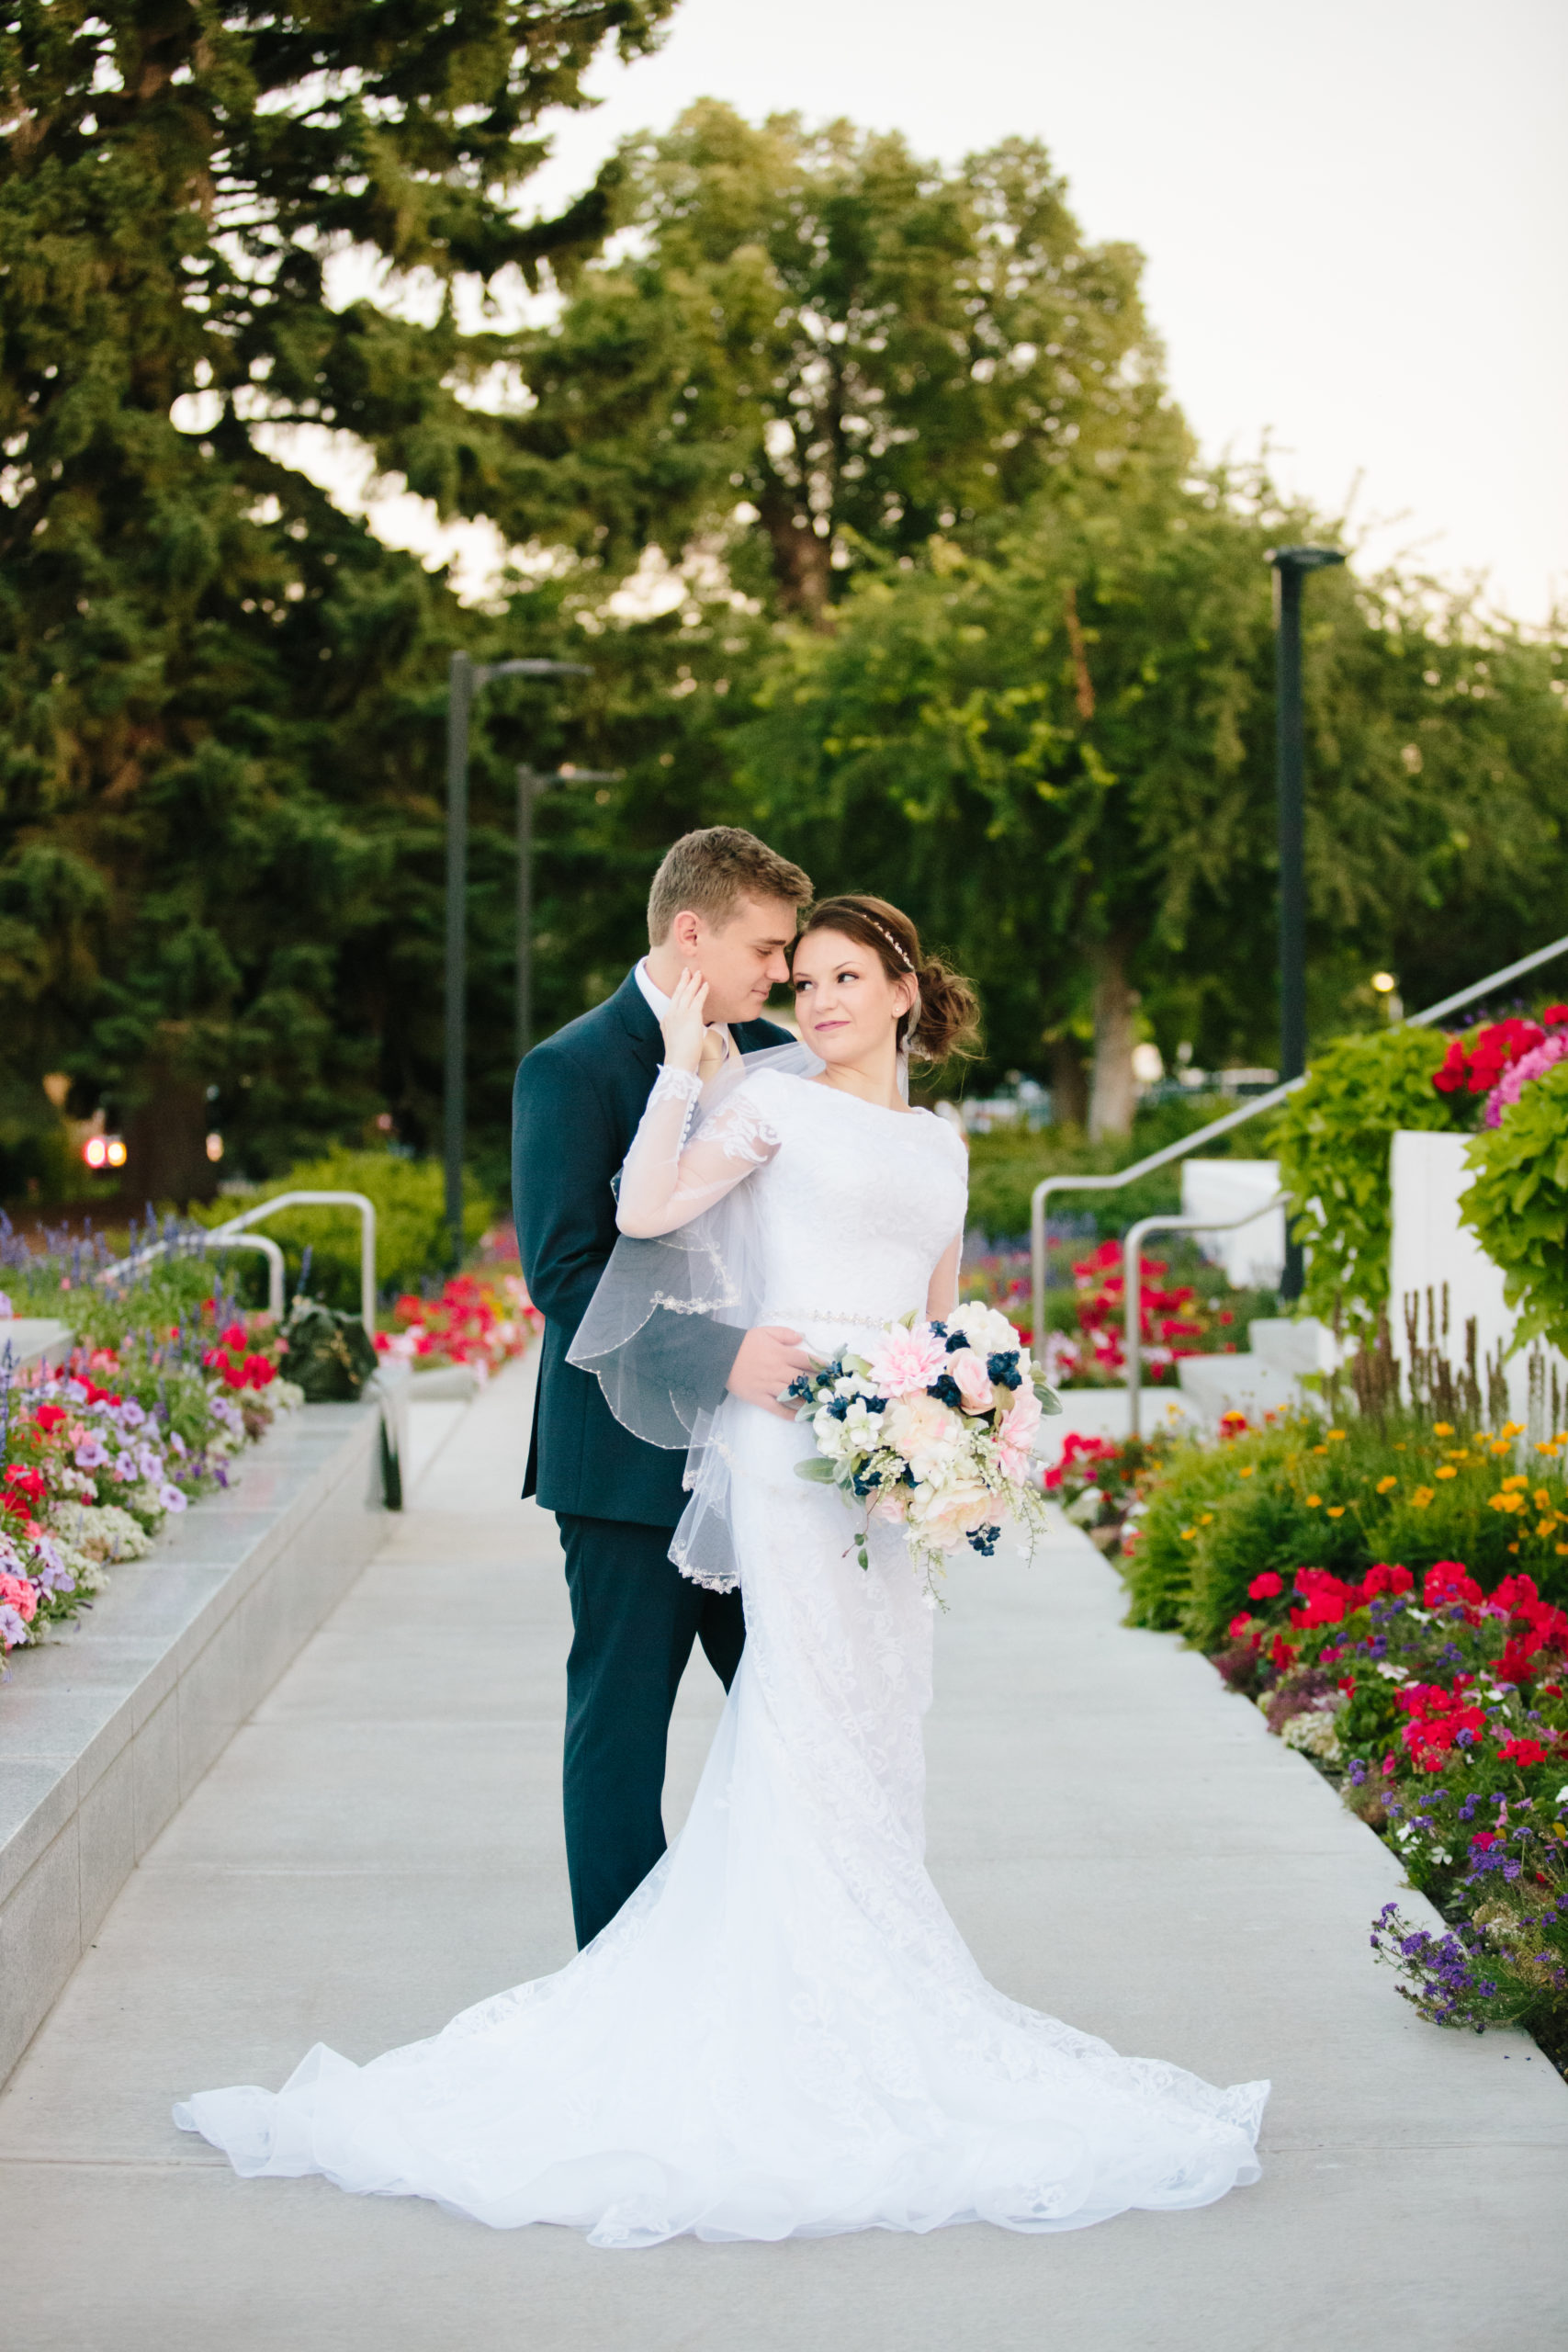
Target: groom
(725, 904)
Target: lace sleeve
(667, 1181)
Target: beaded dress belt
(828, 1315)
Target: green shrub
(1517, 1205)
(1299, 1494)
(411, 1243)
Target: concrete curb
(105, 1729)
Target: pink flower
(1015, 1433)
(903, 1362)
(974, 1380)
(1513, 1081)
(923, 1430)
(16, 1592)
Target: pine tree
(206, 674)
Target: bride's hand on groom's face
(683, 1026)
(766, 1362)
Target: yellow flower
(1386, 1485)
(1247, 1472)
(1447, 1471)
(1442, 1429)
(1561, 1551)
(1510, 1484)
(1189, 1534)
(1501, 1446)
(1506, 1501)
(1422, 1497)
(1541, 1499)
(1336, 1510)
(1320, 1449)
(1205, 1518)
(1313, 1501)
(1512, 1429)
(1546, 1527)
(1401, 1447)
(1337, 1437)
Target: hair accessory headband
(897, 947)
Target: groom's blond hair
(711, 871)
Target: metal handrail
(359, 1201)
(1179, 1151)
(161, 1248)
(1133, 1288)
(232, 1235)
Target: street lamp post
(530, 782)
(1290, 567)
(467, 680)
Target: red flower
(30, 1483)
(1240, 1625)
(1554, 1015)
(1485, 1840)
(1446, 1581)
(1385, 1577)
(1522, 1752)
(1266, 1587)
(48, 1417)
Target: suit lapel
(636, 1015)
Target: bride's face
(845, 1000)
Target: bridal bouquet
(930, 1428)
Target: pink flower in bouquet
(1016, 1432)
(955, 1511)
(892, 1502)
(921, 1429)
(903, 1362)
(973, 1381)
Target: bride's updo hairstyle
(946, 1020)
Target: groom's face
(741, 960)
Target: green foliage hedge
(410, 1232)
(1517, 1206)
(1332, 1140)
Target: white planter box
(1431, 1247)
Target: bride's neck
(874, 1079)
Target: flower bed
(482, 1321)
(1083, 1347)
(169, 1383)
(1427, 1677)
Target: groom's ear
(685, 932)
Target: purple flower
(170, 1497)
(13, 1626)
(92, 1452)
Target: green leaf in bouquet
(817, 1469)
(1049, 1401)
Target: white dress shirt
(658, 1005)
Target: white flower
(988, 1332)
(1394, 1673)
(1314, 1735)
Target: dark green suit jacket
(575, 1109)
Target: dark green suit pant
(635, 1618)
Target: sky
(1355, 218)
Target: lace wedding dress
(783, 2032)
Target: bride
(782, 2032)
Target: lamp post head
(1303, 558)
(485, 671)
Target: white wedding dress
(783, 2032)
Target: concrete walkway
(1117, 1839)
